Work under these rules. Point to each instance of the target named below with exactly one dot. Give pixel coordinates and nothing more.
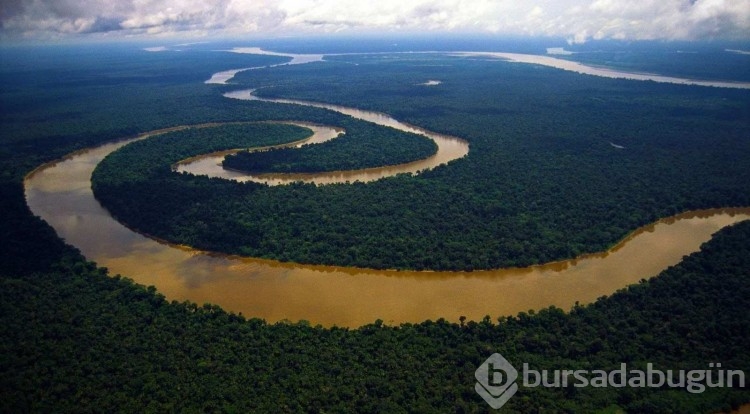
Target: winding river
(60, 193)
(449, 149)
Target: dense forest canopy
(78, 339)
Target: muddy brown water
(60, 193)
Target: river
(449, 149)
(60, 193)
(583, 69)
(543, 60)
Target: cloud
(576, 20)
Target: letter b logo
(496, 381)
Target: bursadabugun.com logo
(496, 379)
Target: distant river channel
(60, 193)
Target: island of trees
(365, 146)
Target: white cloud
(577, 20)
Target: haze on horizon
(575, 20)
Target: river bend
(60, 193)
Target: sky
(577, 21)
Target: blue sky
(575, 20)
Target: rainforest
(544, 166)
